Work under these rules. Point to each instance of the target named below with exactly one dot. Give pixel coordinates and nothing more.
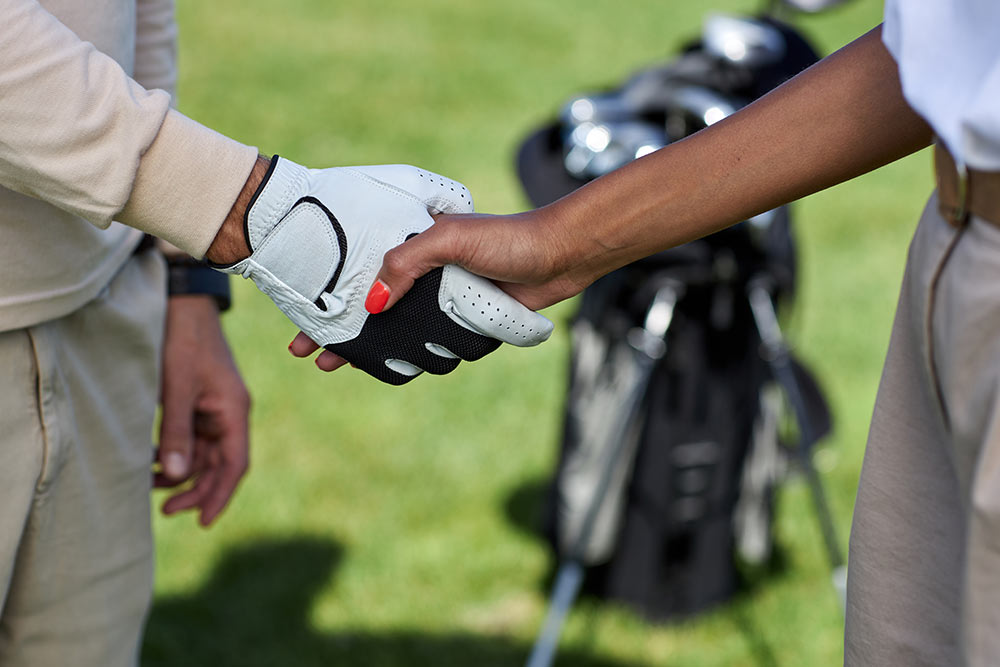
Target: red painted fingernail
(377, 297)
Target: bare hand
(204, 442)
(519, 252)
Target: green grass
(383, 526)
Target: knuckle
(244, 398)
(175, 436)
(241, 460)
(238, 395)
(395, 262)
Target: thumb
(408, 261)
(176, 433)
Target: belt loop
(952, 178)
(962, 205)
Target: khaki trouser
(924, 578)
(77, 403)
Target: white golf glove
(317, 237)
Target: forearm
(841, 118)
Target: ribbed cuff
(186, 183)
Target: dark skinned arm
(842, 117)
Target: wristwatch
(186, 275)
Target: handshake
(317, 238)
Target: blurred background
(398, 526)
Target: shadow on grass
(525, 507)
(525, 504)
(254, 610)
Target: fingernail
(377, 297)
(290, 349)
(175, 465)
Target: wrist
(231, 244)
(573, 255)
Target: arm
(204, 443)
(841, 118)
(79, 133)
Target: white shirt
(948, 53)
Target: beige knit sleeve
(79, 133)
(156, 46)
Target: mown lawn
(384, 526)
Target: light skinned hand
(204, 434)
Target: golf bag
(698, 456)
(671, 451)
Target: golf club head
(743, 41)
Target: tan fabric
(967, 192)
(75, 543)
(79, 134)
(924, 572)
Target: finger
(402, 265)
(537, 297)
(437, 192)
(161, 481)
(190, 498)
(302, 345)
(199, 459)
(482, 306)
(224, 480)
(328, 361)
(176, 429)
(229, 460)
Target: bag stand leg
(778, 357)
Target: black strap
(190, 277)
